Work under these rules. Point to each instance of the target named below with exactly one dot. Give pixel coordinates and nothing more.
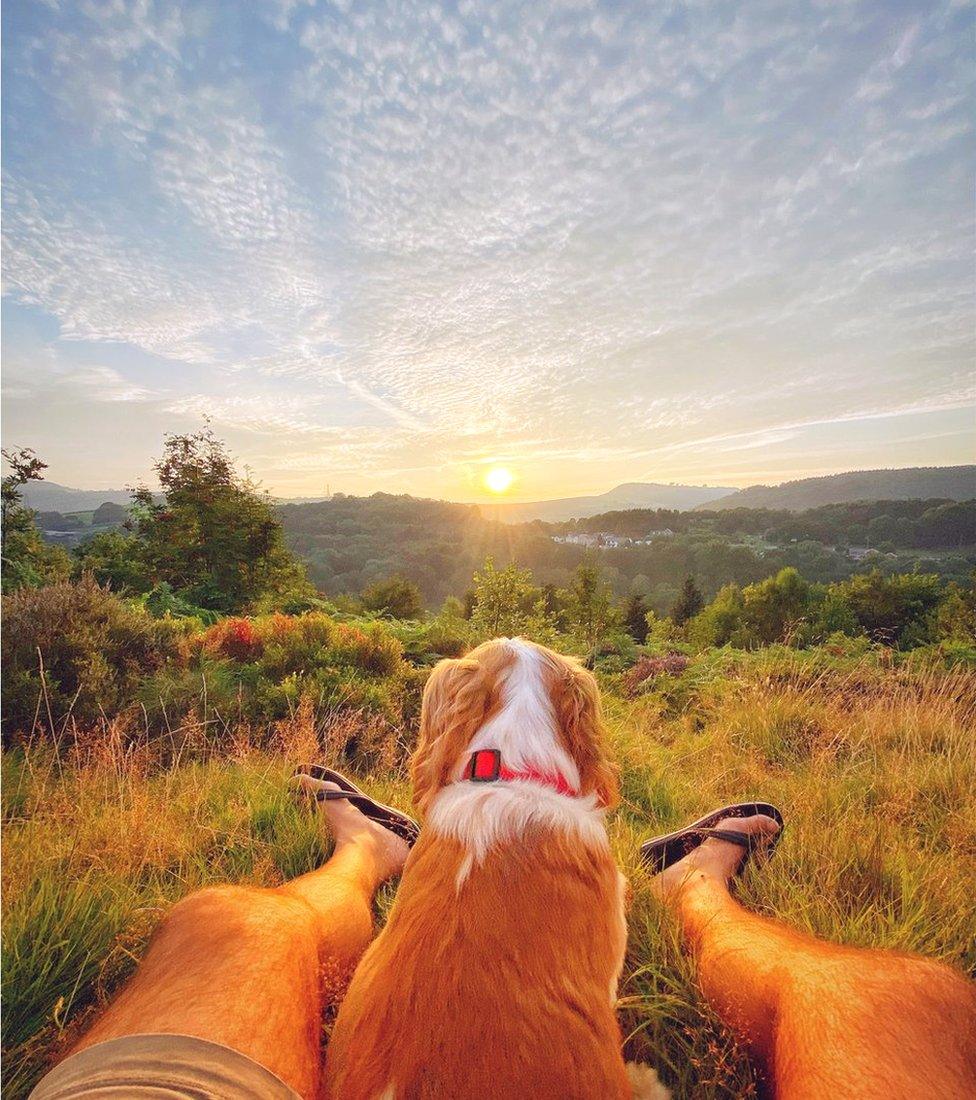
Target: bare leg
(253, 969)
(824, 1020)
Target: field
(872, 762)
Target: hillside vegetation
(873, 765)
(348, 543)
(950, 482)
(160, 684)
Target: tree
(393, 598)
(635, 618)
(956, 618)
(109, 513)
(775, 607)
(689, 602)
(27, 560)
(720, 623)
(214, 537)
(589, 604)
(897, 610)
(507, 602)
(114, 559)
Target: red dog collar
(485, 766)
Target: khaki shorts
(161, 1067)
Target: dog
(496, 974)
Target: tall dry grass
(874, 768)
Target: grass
(875, 770)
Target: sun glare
(498, 479)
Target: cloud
(106, 384)
(604, 229)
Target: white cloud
(599, 228)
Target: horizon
(393, 248)
(489, 500)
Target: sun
(498, 479)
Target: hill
(49, 496)
(945, 482)
(635, 494)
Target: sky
(391, 245)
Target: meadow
(870, 754)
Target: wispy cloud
(402, 236)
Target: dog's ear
(580, 717)
(455, 704)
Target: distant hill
(48, 496)
(633, 495)
(914, 483)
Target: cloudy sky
(383, 245)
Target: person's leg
(824, 1020)
(253, 969)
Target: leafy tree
(27, 560)
(214, 537)
(507, 602)
(774, 608)
(393, 598)
(831, 614)
(635, 618)
(689, 602)
(114, 559)
(893, 610)
(956, 618)
(720, 623)
(590, 612)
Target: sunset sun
(498, 479)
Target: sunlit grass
(875, 773)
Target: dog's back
(494, 981)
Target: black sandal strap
(744, 840)
(404, 826)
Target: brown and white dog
(496, 974)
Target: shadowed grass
(875, 770)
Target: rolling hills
(630, 495)
(914, 483)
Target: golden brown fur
(500, 987)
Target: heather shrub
(74, 649)
(648, 668)
(264, 670)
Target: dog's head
(539, 708)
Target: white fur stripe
(524, 729)
(481, 815)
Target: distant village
(605, 540)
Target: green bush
(75, 648)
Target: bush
(394, 598)
(264, 670)
(74, 648)
(649, 668)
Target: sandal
(663, 851)
(398, 823)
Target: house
(858, 553)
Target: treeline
(212, 543)
(878, 524)
(349, 543)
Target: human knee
(241, 911)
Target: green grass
(875, 770)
